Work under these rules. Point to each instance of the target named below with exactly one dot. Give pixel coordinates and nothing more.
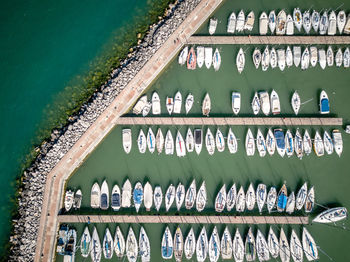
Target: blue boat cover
(279, 139)
(282, 201)
(137, 196)
(104, 201)
(115, 200)
(324, 105)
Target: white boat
(180, 145)
(198, 140)
(159, 141)
(158, 197)
(263, 24)
(213, 22)
(201, 199)
(191, 195)
(339, 58)
(347, 25)
(177, 103)
(179, 196)
(216, 60)
(189, 141)
(289, 57)
(231, 25)
(108, 245)
(68, 200)
(301, 197)
(273, 58)
(330, 56)
(116, 198)
(202, 246)
(290, 203)
(146, 109)
(324, 23)
(137, 109)
(95, 196)
(275, 103)
(309, 246)
(238, 247)
(281, 23)
(273, 244)
(328, 143)
(281, 59)
(220, 200)
(85, 242)
(346, 58)
(231, 197)
(232, 142)
(145, 246)
(262, 249)
(313, 56)
(148, 196)
(138, 196)
(305, 59)
(296, 55)
(119, 243)
(298, 18)
(240, 21)
(261, 194)
(272, 21)
(151, 141)
(298, 144)
(310, 200)
(265, 102)
(155, 104)
(126, 194)
(284, 247)
(141, 142)
(271, 199)
(210, 142)
(331, 215)
(169, 143)
(257, 57)
(250, 197)
(240, 200)
(249, 22)
(169, 104)
(200, 56)
(289, 143)
(324, 103)
(322, 58)
(240, 60)
(190, 245)
(307, 21)
(167, 244)
(250, 246)
(214, 246)
(169, 197)
(220, 141)
(265, 59)
(296, 248)
(183, 56)
(270, 142)
(208, 56)
(307, 144)
(315, 20)
(127, 140)
(332, 23)
(206, 105)
(178, 244)
(226, 245)
(341, 20)
(338, 141)
(189, 103)
(289, 25)
(260, 143)
(236, 102)
(95, 247)
(249, 143)
(256, 104)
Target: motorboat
(216, 60)
(213, 22)
(208, 56)
(284, 247)
(310, 200)
(296, 249)
(250, 247)
(183, 56)
(298, 144)
(179, 195)
(262, 249)
(298, 18)
(328, 143)
(307, 21)
(260, 143)
(169, 104)
(232, 142)
(295, 102)
(85, 243)
(169, 143)
(210, 142)
(289, 25)
(137, 109)
(281, 59)
(177, 103)
(281, 23)
(68, 200)
(250, 143)
(338, 141)
(324, 23)
(148, 196)
(240, 21)
(190, 245)
(265, 59)
(138, 196)
(95, 196)
(191, 59)
(108, 245)
(214, 246)
(346, 58)
(296, 55)
(273, 243)
(331, 215)
(147, 108)
(256, 104)
(155, 104)
(206, 105)
(347, 25)
(261, 194)
(275, 103)
(226, 244)
(265, 102)
(189, 103)
(178, 244)
(191, 195)
(330, 56)
(289, 57)
(282, 199)
(240, 60)
(202, 246)
(231, 25)
(189, 141)
(309, 246)
(273, 58)
(301, 197)
(200, 56)
(324, 103)
(127, 140)
(141, 142)
(271, 199)
(322, 58)
(289, 143)
(169, 197)
(167, 245)
(95, 247)
(270, 142)
(249, 22)
(315, 20)
(220, 141)
(272, 21)
(263, 24)
(180, 145)
(116, 198)
(159, 141)
(151, 141)
(305, 59)
(280, 142)
(158, 197)
(290, 203)
(332, 23)
(236, 102)
(240, 200)
(238, 247)
(250, 197)
(231, 197)
(144, 245)
(198, 140)
(201, 199)
(313, 56)
(257, 57)
(339, 58)
(220, 200)
(126, 194)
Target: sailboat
(240, 21)
(191, 59)
(108, 244)
(178, 244)
(220, 200)
(85, 242)
(328, 143)
(158, 197)
(289, 143)
(296, 102)
(95, 247)
(240, 60)
(298, 144)
(270, 142)
(167, 244)
(213, 22)
(206, 106)
(272, 21)
(250, 251)
(347, 26)
(240, 200)
(275, 103)
(169, 143)
(214, 246)
(271, 199)
(332, 23)
(148, 196)
(318, 145)
(341, 20)
(298, 18)
(190, 245)
(208, 56)
(260, 143)
(119, 243)
(232, 142)
(138, 196)
(141, 142)
(324, 23)
(290, 203)
(301, 197)
(307, 21)
(284, 247)
(238, 247)
(261, 193)
(191, 195)
(198, 140)
(250, 143)
(262, 249)
(309, 246)
(145, 246)
(272, 242)
(338, 141)
(189, 103)
(331, 215)
(202, 246)
(200, 56)
(210, 142)
(183, 56)
(189, 141)
(305, 59)
(220, 142)
(330, 56)
(250, 197)
(201, 200)
(281, 59)
(273, 58)
(226, 244)
(339, 58)
(116, 198)
(257, 57)
(315, 20)
(265, 59)
(281, 23)
(296, 248)
(231, 197)
(263, 24)
(127, 140)
(346, 58)
(155, 104)
(216, 60)
(180, 145)
(296, 55)
(310, 200)
(169, 197)
(126, 194)
(289, 57)
(231, 25)
(282, 199)
(280, 142)
(256, 104)
(179, 196)
(313, 57)
(151, 141)
(104, 204)
(159, 141)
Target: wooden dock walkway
(271, 40)
(148, 219)
(222, 121)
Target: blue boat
(324, 103)
(167, 244)
(282, 199)
(280, 142)
(138, 196)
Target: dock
(269, 40)
(149, 219)
(234, 121)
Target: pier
(269, 40)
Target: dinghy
(322, 58)
(95, 247)
(85, 243)
(148, 198)
(280, 142)
(315, 20)
(289, 57)
(231, 25)
(296, 55)
(271, 199)
(214, 246)
(146, 109)
(324, 103)
(155, 104)
(346, 58)
(324, 23)
(189, 141)
(220, 142)
(231, 198)
(296, 102)
(272, 243)
(270, 143)
(210, 142)
(273, 58)
(200, 56)
(183, 56)
(213, 22)
(126, 194)
(159, 141)
(275, 103)
(220, 200)
(338, 141)
(151, 141)
(301, 197)
(298, 144)
(167, 244)
(104, 204)
(310, 200)
(296, 248)
(263, 24)
(68, 200)
(226, 244)
(249, 143)
(339, 58)
(141, 142)
(347, 26)
(256, 104)
(191, 195)
(201, 200)
(232, 142)
(249, 22)
(307, 21)
(169, 104)
(265, 60)
(331, 215)
(189, 103)
(169, 143)
(332, 24)
(305, 59)
(191, 59)
(116, 198)
(250, 197)
(328, 143)
(289, 25)
(330, 56)
(127, 140)
(262, 249)
(240, 200)
(158, 197)
(260, 143)
(290, 203)
(272, 21)
(240, 21)
(257, 57)
(281, 59)
(281, 23)
(145, 246)
(208, 54)
(250, 251)
(284, 247)
(236, 102)
(313, 56)
(261, 193)
(265, 102)
(216, 60)
(137, 109)
(206, 106)
(169, 197)
(289, 143)
(190, 245)
(138, 196)
(198, 138)
(178, 244)
(240, 60)
(282, 199)
(179, 196)
(202, 246)
(309, 246)
(298, 18)
(177, 103)
(108, 245)
(180, 145)
(238, 247)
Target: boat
(169, 104)
(220, 141)
(231, 25)
(330, 56)
(206, 105)
(270, 143)
(141, 142)
(198, 140)
(338, 141)
(250, 251)
(108, 245)
(272, 243)
(137, 109)
(282, 199)
(240, 60)
(296, 55)
(85, 243)
(159, 141)
(180, 145)
(179, 196)
(200, 56)
(146, 109)
(151, 141)
(201, 200)
(167, 244)
(301, 197)
(240, 200)
(216, 60)
(178, 244)
(177, 103)
(261, 193)
(346, 58)
(324, 23)
(263, 24)
(169, 143)
(190, 245)
(307, 144)
(272, 21)
(155, 104)
(238, 247)
(257, 57)
(281, 59)
(158, 197)
(249, 22)
(339, 58)
(289, 25)
(280, 141)
(249, 143)
(210, 142)
(213, 22)
(271, 199)
(68, 200)
(281, 23)
(347, 129)
(231, 197)
(332, 24)
(77, 199)
(127, 140)
(126, 194)
(256, 104)
(236, 102)
(305, 59)
(138, 196)
(116, 198)
(289, 143)
(95, 196)
(260, 143)
(310, 200)
(95, 247)
(265, 59)
(331, 215)
(265, 102)
(191, 59)
(214, 246)
(275, 103)
(119, 243)
(322, 58)
(145, 246)
(169, 197)
(220, 200)
(226, 244)
(324, 103)
(284, 247)
(273, 58)
(309, 246)
(189, 141)
(298, 18)
(189, 103)
(289, 57)
(202, 246)
(298, 144)
(290, 203)
(191, 195)
(262, 249)
(208, 56)
(307, 21)
(315, 20)
(296, 249)
(240, 21)
(347, 26)
(250, 198)
(232, 142)
(328, 143)
(148, 196)
(313, 56)
(183, 56)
